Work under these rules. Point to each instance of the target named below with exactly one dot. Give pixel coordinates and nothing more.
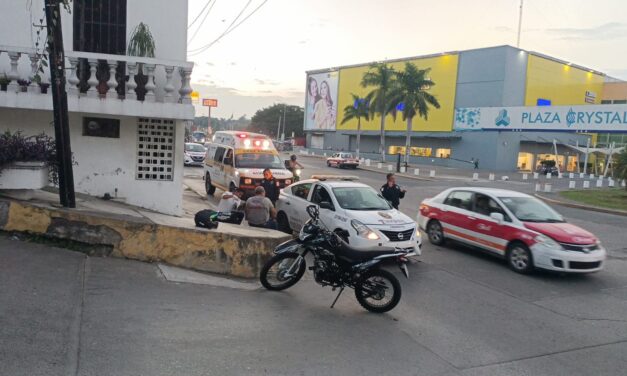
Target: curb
(413, 177)
(581, 206)
(231, 249)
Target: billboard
(321, 101)
(583, 118)
(443, 73)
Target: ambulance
(237, 159)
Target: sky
(264, 60)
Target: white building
(127, 130)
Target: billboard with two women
(321, 101)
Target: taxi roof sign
(335, 177)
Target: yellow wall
(443, 73)
(562, 84)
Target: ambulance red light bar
(242, 135)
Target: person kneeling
(259, 210)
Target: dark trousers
(271, 224)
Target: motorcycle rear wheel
(272, 274)
(378, 291)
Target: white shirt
(228, 202)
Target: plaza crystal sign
(583, 118)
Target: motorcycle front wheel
(282, 271)
(378, 291)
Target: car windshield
(360, 198)
(529, 209)
(194, 147)
(258, 160)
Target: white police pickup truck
(355, 211)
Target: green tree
(266, 120)
(358, 110)
(381, 77)
(620, 165)
(410, 95)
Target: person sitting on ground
(231, 203)
(259, 210)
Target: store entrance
(525, 161)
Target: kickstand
(337, 297)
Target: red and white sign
(210, 102)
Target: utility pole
(284, 111)
(520, 14)
(56, 57)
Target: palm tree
(620, 165)
(141, 42)
(409, 95)
(381, 76)
(359, 109)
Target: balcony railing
(108, 77)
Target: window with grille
(155, 149)
(100, 26)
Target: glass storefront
(443, 153)
(415, 151)
(525, 161)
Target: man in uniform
(392, 192)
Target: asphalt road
(462, 313)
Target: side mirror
(497, 217)
(326, 205)
(228, 161)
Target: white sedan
(355, 211)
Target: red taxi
(342, 160)
(513, 225)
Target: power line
(202, 22)
(199, 14)
(204, 48)
(231, 24)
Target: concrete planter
(24, 175)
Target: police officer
(392, 192)
(270, 185)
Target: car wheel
(519, 258)
(435, 232)
(328, 164)
(210, 189)
(283, 223)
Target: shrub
(15, 147)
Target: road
(461, 314)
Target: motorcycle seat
(347, 252)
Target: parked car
(520, 228)
(546, 169)
(355, 211)
(194, 154)
(342, 160)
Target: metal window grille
(155, 149)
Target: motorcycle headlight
(298, 171)
(363, 230)
(547, 241)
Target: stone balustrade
(103, 76)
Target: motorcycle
(295, 171)
(338, 265)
